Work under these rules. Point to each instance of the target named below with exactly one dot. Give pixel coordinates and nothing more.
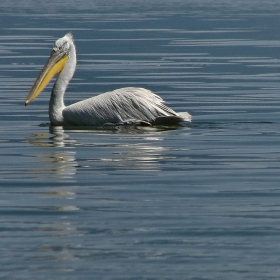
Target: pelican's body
(122, 106)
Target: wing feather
(121, 106)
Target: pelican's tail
(185, 116)
(172, 120)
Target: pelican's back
(122, 106)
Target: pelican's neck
(56, 104)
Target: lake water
(197, 201)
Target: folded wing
(122, 106)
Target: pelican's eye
(61, 47)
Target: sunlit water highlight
(196, 201)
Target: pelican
(129, 105)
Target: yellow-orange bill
(54, 65)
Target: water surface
(196, 201)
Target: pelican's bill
(54, 65)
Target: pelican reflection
(56, 160)
(101, 149)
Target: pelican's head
(55, 64)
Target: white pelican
(128, 105)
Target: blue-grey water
(198, 201)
